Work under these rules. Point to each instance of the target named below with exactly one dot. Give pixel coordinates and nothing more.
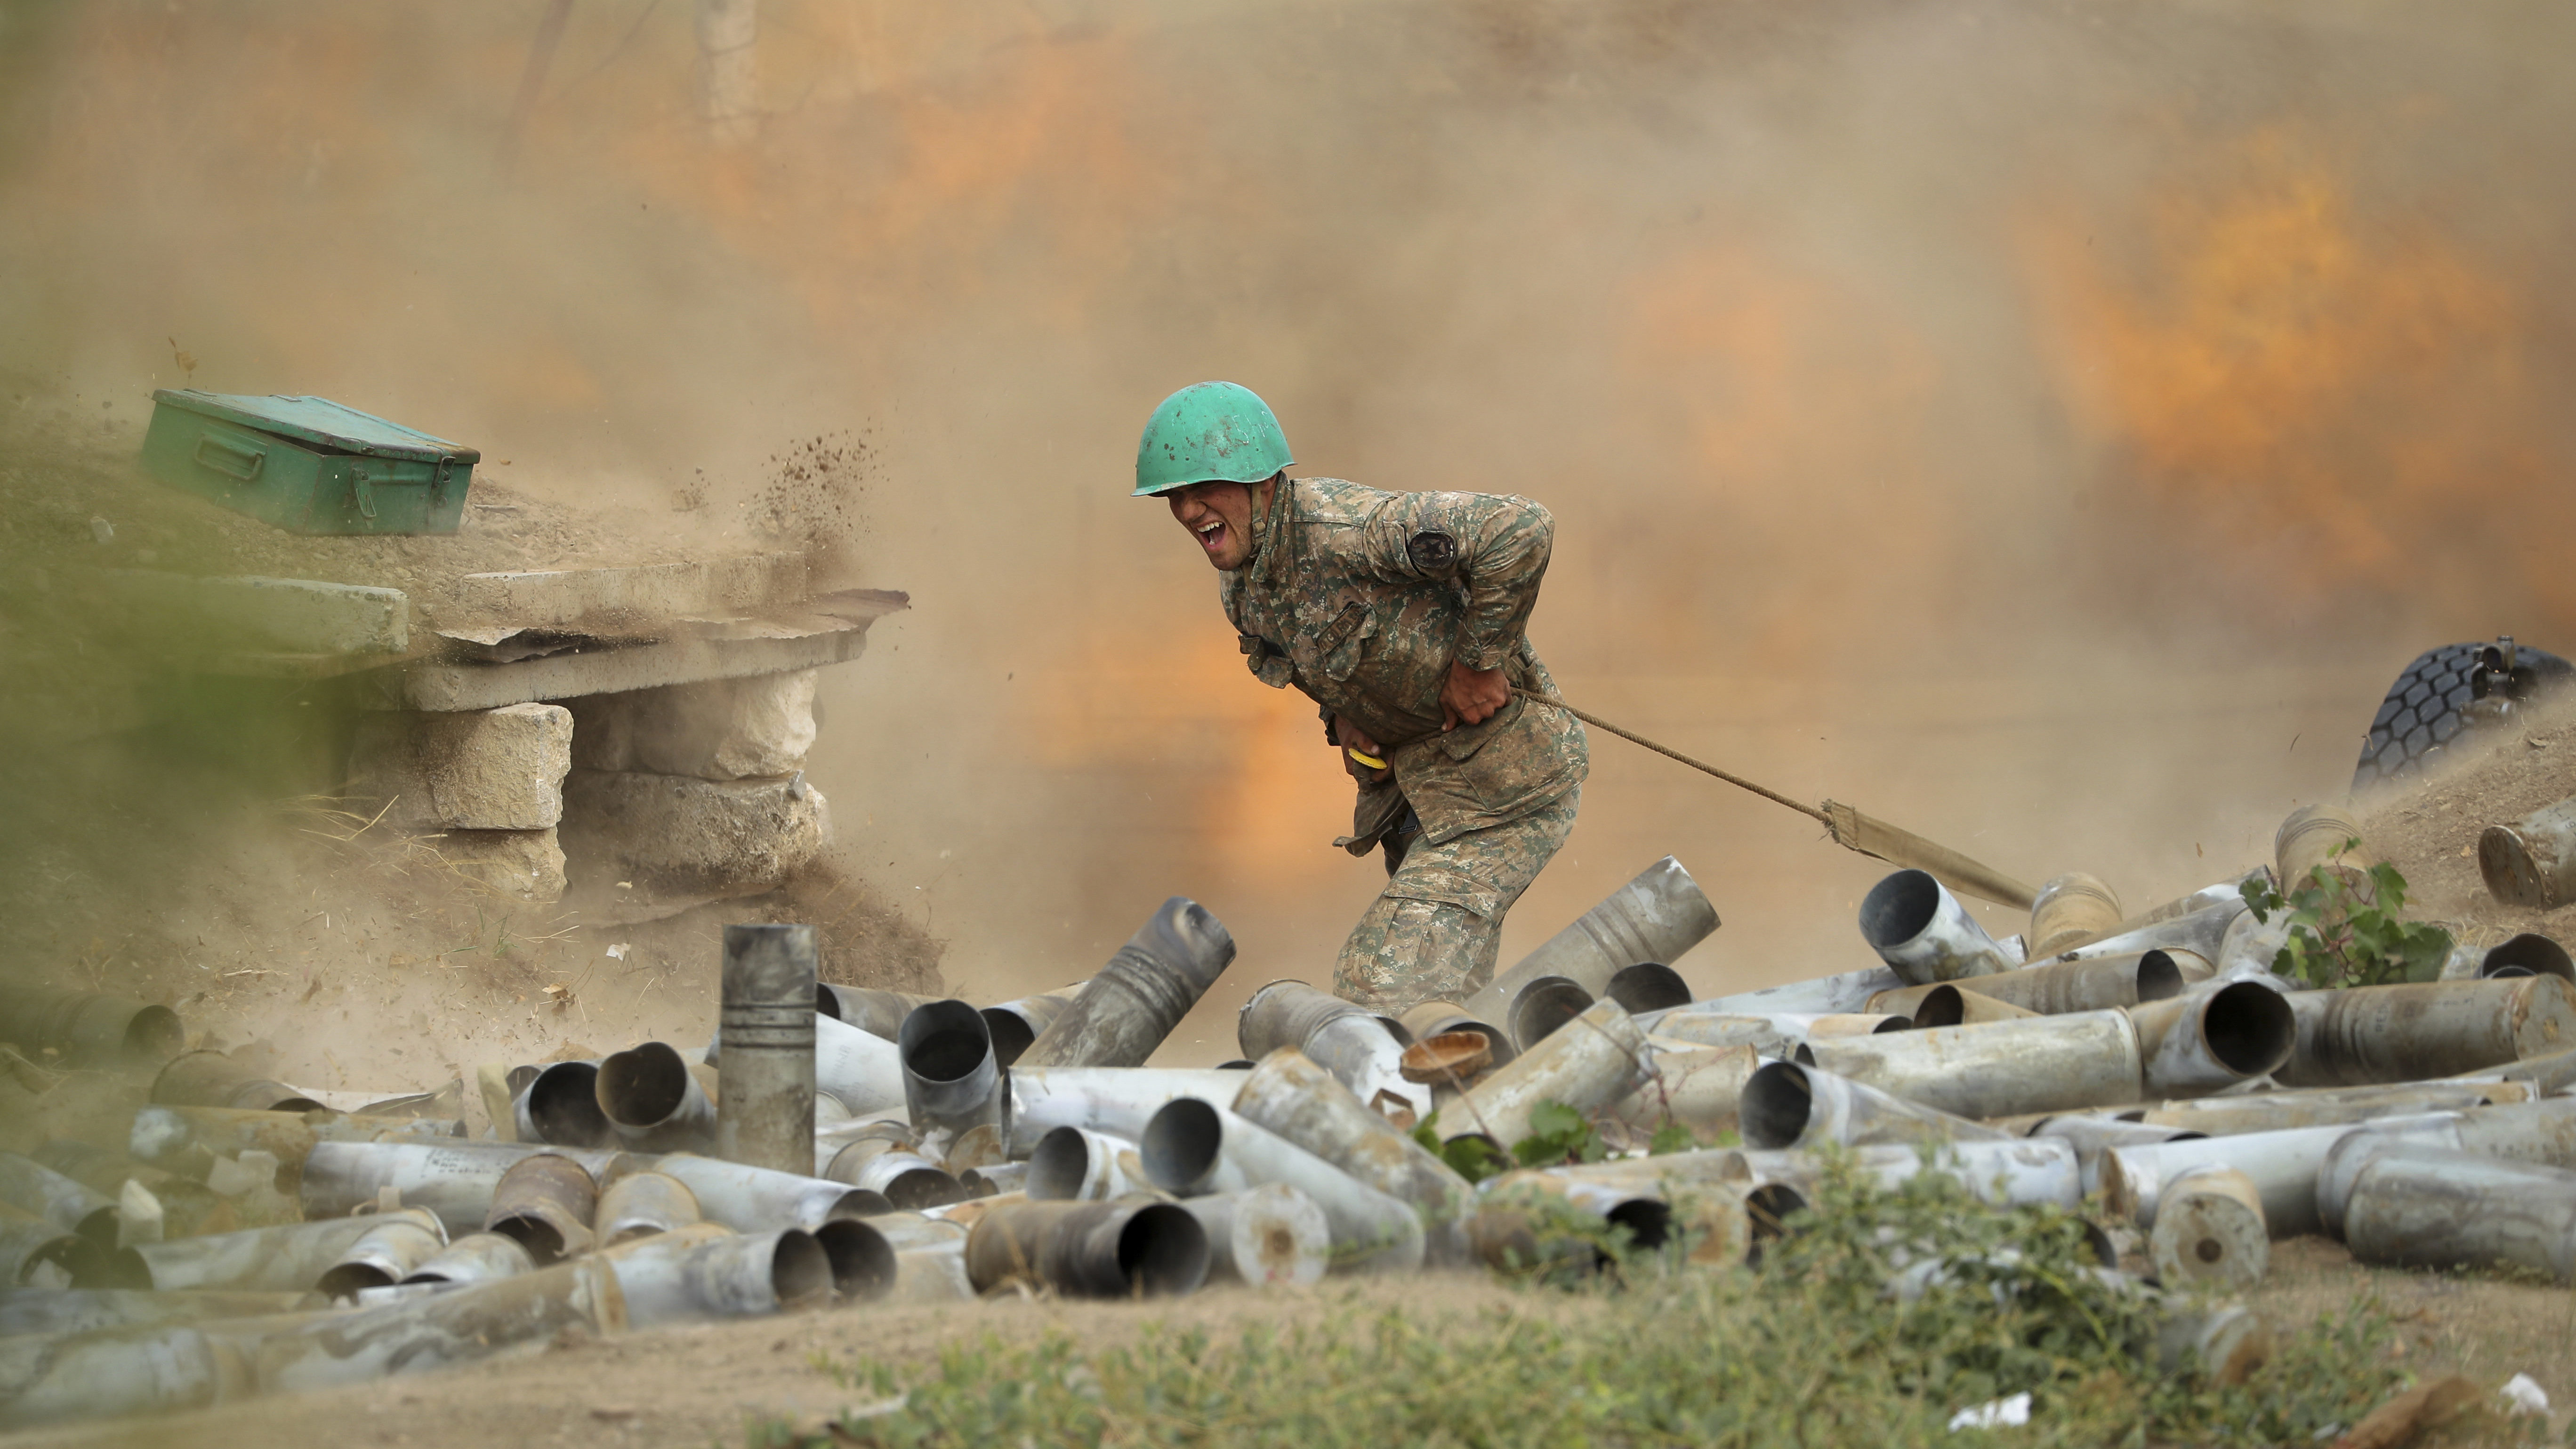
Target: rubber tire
(2422, 711)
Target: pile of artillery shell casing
(830, 1145)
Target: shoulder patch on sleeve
(1433, 551)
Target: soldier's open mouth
(1212, 537)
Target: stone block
(675, 837)
(495, 769)
(526, 865)
(722, 729)
(303, 616)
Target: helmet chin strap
(1260, 515)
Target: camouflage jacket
(1362, 599)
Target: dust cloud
(2045, 426)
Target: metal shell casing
(765, 1114)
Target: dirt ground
(2429, 828)
(382, 970)
(701, 1386)
(89, 470)
(182, 841)
(368, 965)
(1877, 477)
(340, 958)
(531, 513)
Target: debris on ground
(2156, 1100)
(2096, 1131)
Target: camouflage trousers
(1432, 934)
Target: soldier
(1402, 615)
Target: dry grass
(1809, 1348)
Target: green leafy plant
(1532, 1235)
(1928, 1265)
(1558, 1135)
(1669, 1138)
(2343, 936)
(1471, 1157)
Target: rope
(1774, 796)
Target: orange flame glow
(2267, 357)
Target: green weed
(1882, 1313)
(1670, 1138)
(1471, 1157)
(2340, 936)
(1558, 1136)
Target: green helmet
(1206, 432)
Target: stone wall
(647, 802)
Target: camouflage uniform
(1362, 599)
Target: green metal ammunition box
(307, 464)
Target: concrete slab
(831, 629)
(255, 614)
(715, 588)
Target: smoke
(2045, 427)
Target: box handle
(231, 459)
(359, 487)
